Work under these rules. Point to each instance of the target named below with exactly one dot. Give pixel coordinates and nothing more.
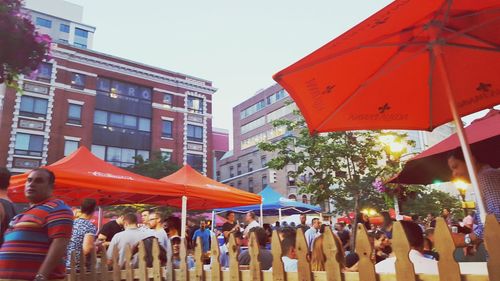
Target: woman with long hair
(318, 257)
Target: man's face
(339, 227)
(37, 187)
(458, 169)
(317, 224)
(176, 247)
(154, 221)
(248, 217)
(303, 219)
(145, 217)
(230, 217)
(203, 224)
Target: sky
(236, 44)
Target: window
(70, 146)
(77, 81)
(250, 165)
(263, 161)
(27, 144)
(119, 89)
(121, 157)
(291, 179)
(167, 155)
(264, 181)
(231, 171)
(195, 104)
(250, 185)
(195, 161)
(168, 99)
(217, 176)
(166, 128)
(64, 41)
(43, 72)
(64, 28)
(276, 97)
(238, 184)
(80, 45)
(292, 197)
(103, 84)
(304, 199)
(194, 133)
(252, 109)
(43, 22)
(238, 169)
(74, 114)
(122, 121)
(81, 32)
(33, 107)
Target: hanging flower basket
(22, 48)
(392, 191)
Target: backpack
(148, 248)
(9, 211)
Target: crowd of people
(48, 233)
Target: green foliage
(433, 201)
(341, 166)
(155, 167)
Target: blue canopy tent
(273, 204)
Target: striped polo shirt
(28, 239)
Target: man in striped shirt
(36, 241)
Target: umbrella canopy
(431, 165)
(394, 70)
(83, 175)
(205, 193)
(272, 202)
(412, 65)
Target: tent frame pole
(261, 216)
(213, 220)
(279, 215)
(469, 161)
(184, 217)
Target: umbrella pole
(279, 215)
(462, 137)
(99, 218)
(261, 216)
(183, 217)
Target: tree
(433, 201)
(341, 166)
(157, 166)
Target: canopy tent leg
(99, 218)
(184, 217)
(213, 220)
(261, 216)
(461, 135)
(279, 215)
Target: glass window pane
(74, 111)
(114, 154)
(44, 70)
(64, 28)
(100, 117)
(36, 143)
(103, 84)
(78, 80)
(128, 155)
(146, 93)
(144, 124)
(41, 106)
(167, 128)
(27, 104)
(81, 32)
(132, 91)
(143, 153)
(130, 121)
(119, 87)
(69, 147)
(99, 151)
(22, 141)
(115, 120)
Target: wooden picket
(449, 269)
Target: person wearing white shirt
(416, 239)
(250, 218)
(155, 223)
(289, 257)
(312, 233)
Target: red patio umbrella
(431, 165)
(412, 65)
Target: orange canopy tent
(205, 193)
(83, 175)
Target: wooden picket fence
(448, 268)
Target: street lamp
(394, 148)
(461, 186)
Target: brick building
(118, 108)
